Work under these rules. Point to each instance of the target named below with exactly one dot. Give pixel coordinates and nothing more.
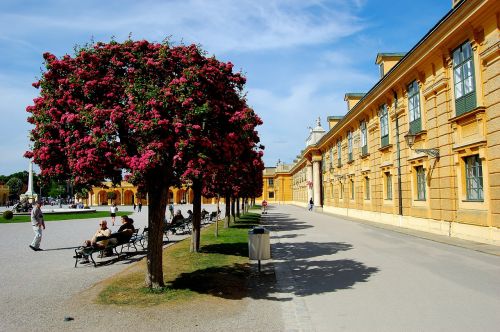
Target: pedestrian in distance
(139, 207)
(38, 224)
(311, 204)
(134, 206)
(171, 209)
(113, 209)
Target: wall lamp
(410, 140)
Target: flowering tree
(124, 107)
(230, 136)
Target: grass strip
(220, 269)
(64, 216)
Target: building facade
(421, 149)
(4, 194)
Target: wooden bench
(183, 226)
(135, 239)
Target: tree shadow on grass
(227, 282)
(235, 249)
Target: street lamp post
(410, 140)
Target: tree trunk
(238, 207)
(157, 191)
(195, 236)
(217, 218)
(227, 220)
(233, 212)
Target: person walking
(171, 209)
(311, 204)
(38, 224)
(113, 209)
(139, 207)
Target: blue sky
(300, 57)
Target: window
(331, 157)
(420, 183)
(271, 194)
(341, 190)
(352, 189)
(339, 153)
(363, 138)
(349, 145)
(474, 178)
(323, 162)
(367, 188)
(414, 107)
(384, 126)
(270, 182)
(388, 185)
(463, 79)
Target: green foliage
(15, 185)
(111, 195)
(8, 215)
(55, 189)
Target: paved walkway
(339, 274)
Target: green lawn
(220, 269)
(63, 216)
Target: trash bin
(259, 247)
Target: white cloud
(221, 26)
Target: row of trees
(162, 114)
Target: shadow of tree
(235, 249)
(301, 250)
(287, 236)
(283, 222)
(307, 278)
(228, 282)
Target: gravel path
(39, 289)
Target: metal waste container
(259, 247)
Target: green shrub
(8, 214)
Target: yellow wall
(4, 194)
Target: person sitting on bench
(124, 233)
(99, 240)
(176, 220)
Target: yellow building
(126, 194)
(276, 184)
(4, 194)
(421, 149)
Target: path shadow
(283, 222)
(65, 248)
(312, 278)
(128, 257)
(286, 236)
(301, 250)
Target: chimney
(352, 99)
(387, 60)
(333, 120)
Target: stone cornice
(437, 86)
